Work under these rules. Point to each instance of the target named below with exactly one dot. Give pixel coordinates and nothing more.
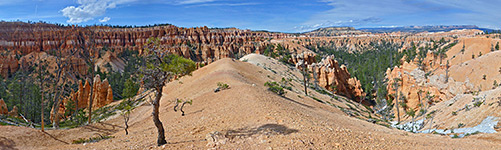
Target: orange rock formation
(102, 95)
(331, 76)
(3, 108)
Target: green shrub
(275, 88)
(477, 104)
(222, 86)
(92, 139)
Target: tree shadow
(267, 129)
(7, 144)
(186, 141)
(51, 136)
(102, 130)
(112, 125)
(195, 112)
(297, 102)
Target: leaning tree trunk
(305, 79)
(398, 111)
(41, 111)
(90, 104)
(55, 112)
(126, 119)
(156, 120)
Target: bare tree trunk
(126, 119)
(42, 93)
(156, 120)
(419, 98)
(55, 114)
(398, 111)
(56, 99)
(305, 79)
(41, 112)
(90, 104)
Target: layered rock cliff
(416, 91)
(331, 76)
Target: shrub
(221, 86)
(92, 139)
(477, 104)
(275, 88)
(178, 101)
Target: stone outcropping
(331, 76)
(418, 92)
(3, 107)
(102, 95)
(201, 44)
(8, 65)
(14, 112)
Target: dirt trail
(246, 116)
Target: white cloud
(105, 19)
(89, 9)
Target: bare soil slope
(246, 116)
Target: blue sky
(272, 15)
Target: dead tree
(396, 85)
(447, 66)
(305, 77)
(90, 55)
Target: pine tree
(160, 68)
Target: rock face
(3, 108)
(200, 44)
(433, 89)
(331, 76)
(8, 65)
(100, 91)
(102, 95)
(13, 112)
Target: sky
(271, 15)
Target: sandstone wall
(200, 44)
(415, 87)
(331, 76)
(3, 107)
(102, 96)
